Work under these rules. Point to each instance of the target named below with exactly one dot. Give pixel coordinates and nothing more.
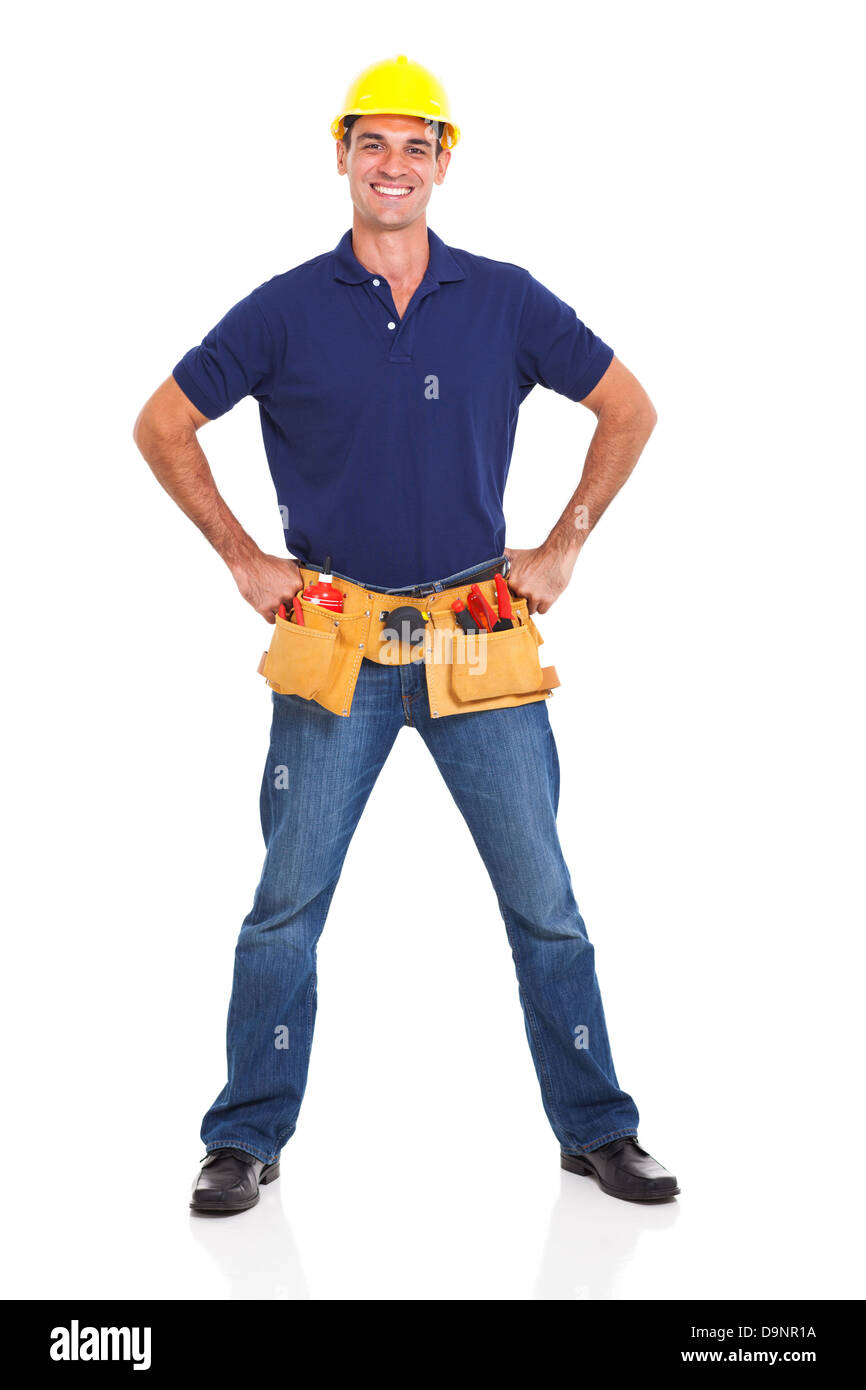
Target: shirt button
(375, 282)
(392, 325)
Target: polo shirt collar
(442, 266)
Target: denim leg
(502, 769)
(319, 773)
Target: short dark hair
(349, 121)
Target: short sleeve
(555, 349)
(235, 359)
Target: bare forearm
(615, 448)
(178, 462)
(623, 429)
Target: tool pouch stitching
(492, 665)
(299, 658)
(487, 665)
(335, 687)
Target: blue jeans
(319, 773)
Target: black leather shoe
(229, 1181)
(624, 1170)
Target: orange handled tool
(503, 603)
(299, 612)
(480, 609)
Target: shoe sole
(586, 1170)
(269, 1174)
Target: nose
(394, 170)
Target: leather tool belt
(320, 659)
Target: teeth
(391, 192)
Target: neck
(401, 255)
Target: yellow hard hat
(398, 87)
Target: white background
(689, 178)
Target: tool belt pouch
(486, 665)
(486, 670)
(318, 659)
(299, 659)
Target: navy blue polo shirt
(389, 440)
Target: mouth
(391, 190)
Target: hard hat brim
(450, 133)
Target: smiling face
(391, 164)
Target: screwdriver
(463, 616)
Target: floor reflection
(592, 1239)
(255, 1250)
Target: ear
(341, 158)
(442, 162)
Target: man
(389, 373)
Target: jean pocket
(298, 661)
